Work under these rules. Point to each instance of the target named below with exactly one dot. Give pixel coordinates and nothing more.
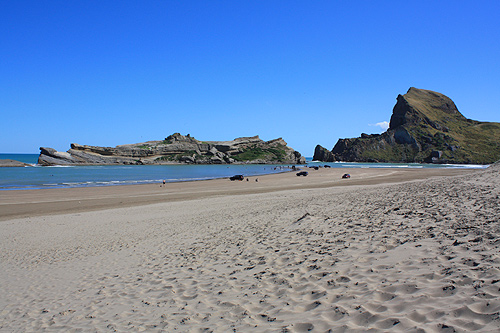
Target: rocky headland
(425, 127)
(176, 149)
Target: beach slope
(384, 250)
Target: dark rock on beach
(323, 154)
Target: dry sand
(387, 250)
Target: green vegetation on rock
(177, 148)
(426, 126)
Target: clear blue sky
(115, 72)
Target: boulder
(323, 154)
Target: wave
(67, 176)
(368, 165)
(467, 166)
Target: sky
(107, 73)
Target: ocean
(36, 177)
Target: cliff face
(425, 126)
(177, 148)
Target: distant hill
(176, 149)
(425, 126)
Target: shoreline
(139, 182)
(38, 178)
(37, 202)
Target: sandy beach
(387, 250)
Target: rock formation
(12, 163)
(425, 126)
(177, 148)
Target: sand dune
(419, 255)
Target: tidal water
(37, 177)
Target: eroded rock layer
(176, 148)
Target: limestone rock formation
(177, 148)
(425, 126)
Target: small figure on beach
(257, 179)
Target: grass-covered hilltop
(425, 126)
(177, 148)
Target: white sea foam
(102, 175)
(467, 166)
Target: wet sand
(28, 203)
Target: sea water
(37, 177)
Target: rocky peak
(419, 105)
(177, 137)
(402, 113)
(425, 126)
(277, 142)
(323, 154)
(433, 99)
